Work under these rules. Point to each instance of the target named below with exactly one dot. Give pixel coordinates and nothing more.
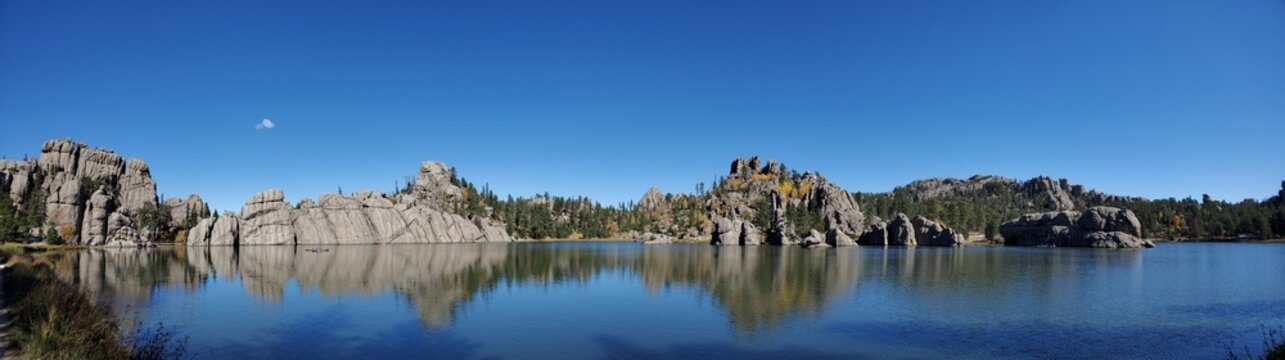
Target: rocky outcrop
(226, 230)
(928, 232)
(841, 211)
(836, 238)
(906, 231)
(653, 238)
(875, 235)
(199, 234)
(1099, 227)
(99, 164)
(65, 178)
(1039, 192)
(66, 173)
(372, 218)
(123, 233)
(653, 199)
(735, 232)
(63, 207)
(137, 189)
(17, 178)
(97, 210)
(58, 161)
(267, 220)
(901, 232)
(1058, 193)
(814, 240)
(192, 209)
(434, 188)
(765, 193)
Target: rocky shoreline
(94, 197)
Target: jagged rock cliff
(95, 197)
(81, 190)
(764, 203)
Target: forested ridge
(975, 206)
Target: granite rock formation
(906, 231)
(1099, 227)
(751, 206)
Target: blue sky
(607, 98)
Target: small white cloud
(264, 124)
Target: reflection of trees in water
(758, 287)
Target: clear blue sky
(607, 98)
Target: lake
(625, 300)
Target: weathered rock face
(193, 208)
(764, 193)
(735, 232)
(17, 178)
(267, 220)
(63, 207)
(123, 233)
(841, 211)
(97, 209)
(423, 214)
(652, 200)
(433, 186)
(63, 168)
(875, 235)
(372, 218)
(199, 234)
(1059, 196)
(59, 160)
(1040, 191)
(137, 189)
(837, 238)
(814, 239)
(226, 230)
(1100, 227)
(901, 231)
(928, 232)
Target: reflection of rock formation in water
(128, 275)
(758, 287)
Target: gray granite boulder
(875, 235)
(901, 232)
(931, 233)
(199, 234)
(226, 230)
(1098, 227)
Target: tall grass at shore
(1273, 346)
(51, 319)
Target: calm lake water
(623, 300)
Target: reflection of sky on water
(627, 300)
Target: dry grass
(1273, 346)
(54, 320)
